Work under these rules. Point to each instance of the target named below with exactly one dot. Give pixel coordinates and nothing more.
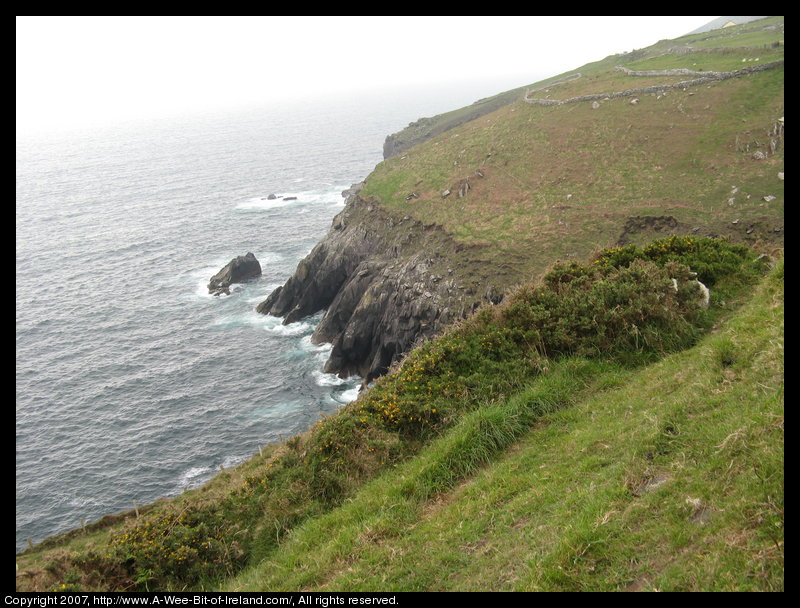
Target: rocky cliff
(385, 282)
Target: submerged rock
(240, 269)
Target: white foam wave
(328, 195)
(201, 290)
(293, 329)
(320, 352)
(263, 204)
(276, 411)
(232, 461)
(268, 323)
(348, 395)
(256, 299)
(268, 257)
(230, 321)
(307, 345)
(274, 325)
(194, 477)
(83, 501)
(323, 379)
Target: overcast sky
(91, 70)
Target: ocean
(132, 382)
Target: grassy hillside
(600, 429)
(666, 478)
(427, 127)
(560, 182)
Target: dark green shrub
(604, 310)
(712, 259)
(184, 546)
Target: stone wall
(705, 78)
(554, 83)
(672, 72)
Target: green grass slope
(560, 182)
(667, 478)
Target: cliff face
(385, 283)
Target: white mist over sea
(132, 383)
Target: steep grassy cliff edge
(668, 478)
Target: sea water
(132, 382)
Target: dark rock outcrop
(353, 189)
(652, 226)
(384, 284)
(240, 269)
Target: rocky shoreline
(385, 283)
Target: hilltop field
(562, 181)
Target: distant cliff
(425, 128)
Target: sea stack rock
(240, 269)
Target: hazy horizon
(94, 71)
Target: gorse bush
(177, 546)
(711, 259)
(628, 306)
(606, 310)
